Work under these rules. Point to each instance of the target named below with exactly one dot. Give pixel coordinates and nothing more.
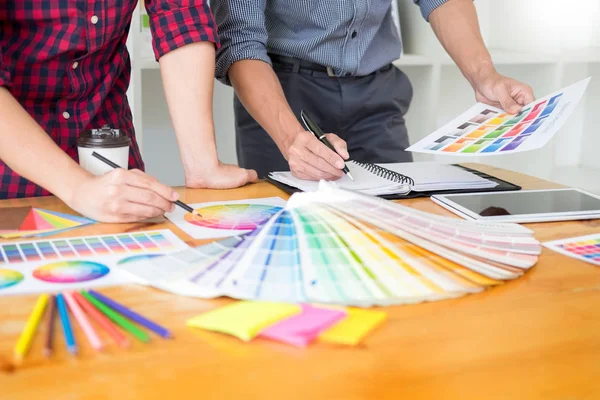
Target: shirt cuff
(176, 28)
(427, 6)
(228, 55)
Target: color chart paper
(22, 222)
(585, 248)
(229, 218)
(484, 130)
(340, 247)
(78, 262)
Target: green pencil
(117, 318)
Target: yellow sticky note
(352, 329)
(244, 319)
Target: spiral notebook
(402, 180)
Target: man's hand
(122, 196)
(500, 91)
(310, 159)
(224, 176)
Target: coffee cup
(107, 142)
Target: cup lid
(103, 138)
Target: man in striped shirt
(333, 59)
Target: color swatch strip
(339, 247)
(141, 242)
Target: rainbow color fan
(28, 222)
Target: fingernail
(172, 208)
(339, 164)
(175, 196)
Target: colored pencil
(115, 165)
(51, 316)
(132, 315)
(83, 321)
(120, 339)
(28, 333)
(117, 318)
(66, 324)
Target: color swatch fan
(28, 222)
(340, 247)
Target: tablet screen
(525, 202)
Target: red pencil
(104, 322)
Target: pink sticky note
(301, 329)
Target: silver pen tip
(349, 175)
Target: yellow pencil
(34, 320)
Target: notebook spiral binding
(386, 173)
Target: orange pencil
(104, 322)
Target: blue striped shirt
(351, 36)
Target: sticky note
(352, 329)
(301, 329)
(244, 319)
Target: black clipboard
(503, 186)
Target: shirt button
(75, 65)
(94, 19)
(66, 115)
(354, 34)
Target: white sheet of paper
(78, 262)
(484, 130)
(226, 218)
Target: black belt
(298, 65)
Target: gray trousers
(367, 112)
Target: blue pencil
(66, 324)
(132, 315)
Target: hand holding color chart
(484, 130)
(226, 218)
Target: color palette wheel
(9, 278)
(233, 216)
(71, 271)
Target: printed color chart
(585, 248)
(71, 263)
(227, 218)
(485, 130)
(232, 216)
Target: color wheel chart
(233, 216)
(58, 264)
(585, 248)
(228, 218)
(486, 130)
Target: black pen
(115, 165)
(315, 130)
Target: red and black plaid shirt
(66, 63)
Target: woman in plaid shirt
(64, 69)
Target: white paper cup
(108, 143)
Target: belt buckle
(330, 73)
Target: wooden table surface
(537, 337)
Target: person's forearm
(31, 153)
(457, 28)
(188, 80)
(259, 90)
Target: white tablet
(524, 205)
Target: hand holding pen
(315, 130)
(308, 159)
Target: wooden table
(537, 337)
